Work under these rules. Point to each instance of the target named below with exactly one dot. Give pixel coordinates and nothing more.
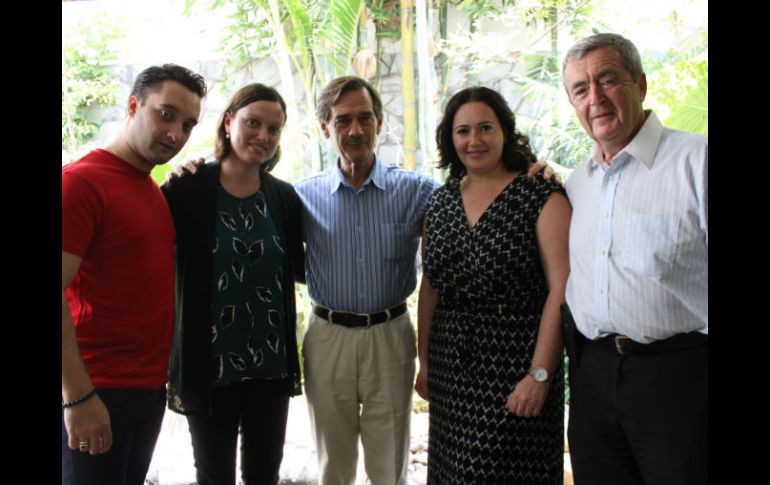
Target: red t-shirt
(115, 217)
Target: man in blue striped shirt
(362, 223)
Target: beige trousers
(359, 383)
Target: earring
(227, 135)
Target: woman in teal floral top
(234, 362)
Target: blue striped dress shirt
(362, 244)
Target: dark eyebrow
(484, 122)
(607, 71)
(169, 107)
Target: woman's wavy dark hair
(245, 96)
(517, 154)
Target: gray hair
(627, 50)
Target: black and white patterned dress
(492, 289)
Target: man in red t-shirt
(118, 285)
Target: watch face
(540, 374)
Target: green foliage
(480, 9)
(548, 119)
(546, 116)
(677, 83)
(419, 405)
(386, 16)
(339, 33)
(86, 81)
(577, 14)
(313, 33)
(248, 37)
(679, 94)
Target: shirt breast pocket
(651, 243)
(397, 240)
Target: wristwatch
(539, 374)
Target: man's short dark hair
(337, 87)
(150, 80)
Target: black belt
(359, 319)
(626, 346)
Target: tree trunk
(442, 60)
(407, 83)
(426, 76)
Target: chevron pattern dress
(492, 289)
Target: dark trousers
(639, 419)
(136, 416)
(259, 409)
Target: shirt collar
(642, 147)
(376, 177)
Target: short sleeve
(80, 214)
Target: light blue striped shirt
(638, 241)
(362, 244)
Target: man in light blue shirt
(362, 223)
(638, 287)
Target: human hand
(89, 422)
(548, 172)
(527, 398)
(179, 170)
(421, 383)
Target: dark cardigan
(193, 202)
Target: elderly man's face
(353, 127)
(606, 100)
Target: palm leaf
(338, 30)
(693, 114)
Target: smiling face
(255, 131)
(607, 101)
(478, 137)
(353, 127)
(159, 126)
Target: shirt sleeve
(81, 213)
(427, 186)
(704, 206)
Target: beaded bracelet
(78, 401)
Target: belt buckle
(368, 319)
(619, 343)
